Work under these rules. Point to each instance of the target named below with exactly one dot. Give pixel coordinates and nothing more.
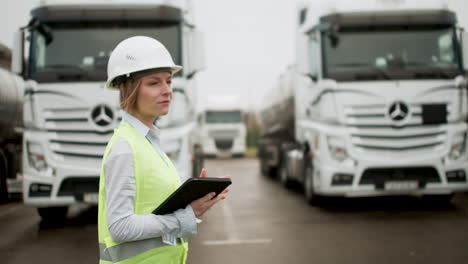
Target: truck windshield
(419, 53)
(217, 117)
(79, 52)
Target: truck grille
(372, 130)
(74, 138)
(223, 144)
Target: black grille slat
(78, 186)
(399, 148)
(223, 144)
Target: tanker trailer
(277, 127)
(11, 122)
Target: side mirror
(197, 55)
(17, 65)
(303, 63)
(464, 46)
(308, 57)
(303, 67)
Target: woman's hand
(200, 206)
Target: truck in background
(222, 129)
(69, 115)
(375, 104)
(11, 126)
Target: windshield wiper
(428, 70)
(382, 73)
(352, 64)
(366, 71)
(66, 72)
(434, 73)
(65, 67)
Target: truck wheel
(444, 199)
(3, 178)
(311, 197)
(197, 164)
(283, 175)
(272, 172)
(53, 215)
(266, 170)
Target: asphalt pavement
(262, 222)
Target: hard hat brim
(173, 68)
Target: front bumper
(411, 172)
(44, 191)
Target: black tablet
(192, 189)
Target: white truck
(221, 127)
(69, 115)
(375, 104)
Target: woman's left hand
(203, 175)
(202, 205)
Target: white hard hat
(136, 54)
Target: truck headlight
(458, 146)
(36, 159)
(337, 149)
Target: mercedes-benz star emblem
(398, 111)
(102, 115)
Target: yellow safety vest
(155, 181)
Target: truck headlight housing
(36, 159)
(458, 147)
(337, 148)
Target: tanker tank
(11, 104)
(277, 112)
(11, 123)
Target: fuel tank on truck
(277, 111)
(11, 104)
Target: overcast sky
(248, 42)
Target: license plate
(91, 198)
(401, 185)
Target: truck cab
(381, 102)
(222, 128)
(379, 99)
(69, 115)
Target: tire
(53, 215)
(266, 170)
(197, 164)
(272, 172)
(444, 199)
(283, 175)
(309, 191)
(3, 178)
(263, 168)
(238, 156)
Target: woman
(136, 175)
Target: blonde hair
(129, 94)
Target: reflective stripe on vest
(103, 253)
(127, 250)
(155, 181)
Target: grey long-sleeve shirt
(120, 189)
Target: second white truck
(375, 105)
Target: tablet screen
(192, 189)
